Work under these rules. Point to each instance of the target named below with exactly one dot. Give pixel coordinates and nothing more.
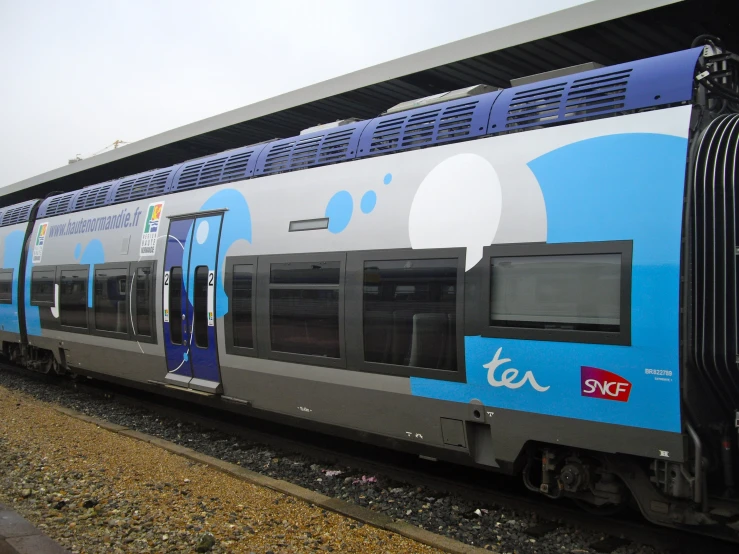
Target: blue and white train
(540, 280)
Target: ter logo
(599, 383)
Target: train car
(539, 280)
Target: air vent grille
(323, 147)
(92, 197)
(17, 214)
(59, 204)
(597, 94)
(234, 165)
(142, 186)
(429, 125)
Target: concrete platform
(19, 536)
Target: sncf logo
(599, 383)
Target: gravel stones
(99, 492)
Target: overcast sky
(77, 75)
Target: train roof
(599, 31)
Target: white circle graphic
(202, 233)
(458, 204)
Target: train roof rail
(313, 149)
(646, 83)
(225, 167)
(428, 125)
(17, 213)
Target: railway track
(439, 479)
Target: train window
(111, 299)
(42, 287)
(410, 312)
(304, 308)
(73, 297)
(241, 299)
(580, 292)
(572, 293)
(200, 306)
(175, 305)
(6, 286)
(144, 276)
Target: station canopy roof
(602, 31)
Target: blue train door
(188, 298)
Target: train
(538, 280)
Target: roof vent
(442, 97)
(325, 126)
(19, 213)
(555, 74)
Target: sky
(75, 76)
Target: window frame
(263, 323)
(231, 348)
(10, 271)
(92, 317)
(355, 305)
(133, 306)
(48, 269)
(58, 281)
(539, 249)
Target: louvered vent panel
(597, 94)
(335, 146)
(189, 177)
(459, 119)
(16, 214)
(419, 128)
(92, 197)
(305, 152)
(278, 158)
(535, 106)
(210, 174)
(235, 168)
(387, 135)
(456, 121)
(59, 204)
(142, 186)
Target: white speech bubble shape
(458, 204)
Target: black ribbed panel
(714, 270)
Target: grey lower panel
(485, 435)
(492, 436)
(126, 364)
(9, 336)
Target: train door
(188, 297)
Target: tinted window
(144, 277)
(241, 305)
(6, 286)
(73, 297)
(409, 315)
(175, 305)
(304, 308)
(42, 286)
(578, 292)
(307, 273)
(110, 300)
(200, 307)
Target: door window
(175, 305)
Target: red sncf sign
(599, 383)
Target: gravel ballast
(96, 491)
(489, 526)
